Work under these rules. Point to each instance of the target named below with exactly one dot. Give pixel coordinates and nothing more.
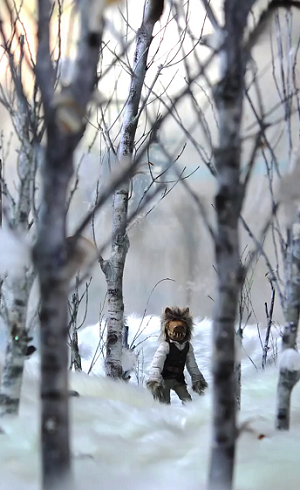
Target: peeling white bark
(114, 267)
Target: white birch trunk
(114, 267)
(51, 252)
(289, 377)
(15, 293)
(16, 346)
(228, 95)
(50, 258)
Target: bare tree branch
(44, 67)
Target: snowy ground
(122, 439)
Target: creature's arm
(158, 362)
(198, 381)
(155, 379)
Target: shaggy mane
(176, 313)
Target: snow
(122, 438)
(290, 360)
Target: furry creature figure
(174, 353)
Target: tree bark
(50, 258)
(287, 380)
(75, 354)
(269, 314)
(16, 346)
(114, 267)
(238, 367)
(51, 254)
(15, 293)
(289, 377)
(228, 96)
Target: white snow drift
(122, 439)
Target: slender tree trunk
(50, 258)
(16, 347)
(16, 292)
(238, 367)
(114, 267)
(64, 128)
(229, 102)
(75, 354)
(288, 377)
(73, 330)
(269, 315)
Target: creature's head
(176, 324)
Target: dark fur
(200, 386)
(156, 389)
(180, 314)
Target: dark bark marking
(222, 246)
(94, 39)
(16, 371)
(19, 302)
(30, 350)
(8, 401)
(51, 395)
(156, 10)
(112, 338)
(282, 415)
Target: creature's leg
(167, 391)
(182, 392)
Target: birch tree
(65, 118)
(234, 51)
(75, 324)
(64, 129)
(289, 366)
(284, 190)
(228, 201)
(19, 215)
(114, 267)
(21, 206)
